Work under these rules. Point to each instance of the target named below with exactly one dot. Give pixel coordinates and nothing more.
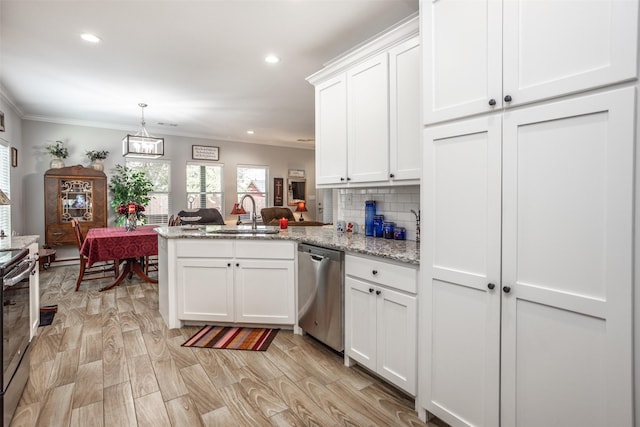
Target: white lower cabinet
(381, 319)
(206, 289)
(243, 281)
(265, 291)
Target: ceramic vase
(98, 165)
(56, 163)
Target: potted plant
(59, 152)
(129, 187)
(96, 158)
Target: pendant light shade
(238, 209)
(301, 207)
(141, 144)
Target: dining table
(121, 245)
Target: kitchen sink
(261, 229)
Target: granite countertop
(17, 242)
(399, 250)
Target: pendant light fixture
(141, 144)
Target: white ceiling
(198, 64)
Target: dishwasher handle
(317, 258)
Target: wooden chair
(104, 270)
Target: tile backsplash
(395, 203)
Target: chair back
(271, 216)
(77, 232)
(201, 216)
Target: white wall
(12, 136)
(34, 161)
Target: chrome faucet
(254, 223)
(417, 225)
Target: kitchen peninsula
(264, 271)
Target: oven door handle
(7, 282)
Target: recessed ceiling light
(272, 59)
(90, 38)
(250, 132)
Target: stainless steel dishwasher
(321, 294)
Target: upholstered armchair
(271, 216)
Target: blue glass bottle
(369, 213)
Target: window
(159, 172)
(5, 210)
(253, 180)
(204, 187)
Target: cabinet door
(360, 322)
(205, 289)
(568, 260)
(404, 110)
(368, 120)
(331, 131)
(553, 48)
(265, 291)
(460, 312)
(397, 319)
(462, 62)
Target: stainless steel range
(15, 268)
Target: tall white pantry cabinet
(530, 200)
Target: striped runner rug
(256, 339)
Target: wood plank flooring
(108, 359)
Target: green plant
(94, 155)
(127, 185)
(58, 150)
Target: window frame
(5, 185)
(240, 194)
(162, 218)
(221, 192)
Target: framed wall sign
(278, 191)
(14, 157)
(296, 173)
(205, 152)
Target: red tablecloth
(105, 244)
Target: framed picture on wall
(14, 157)
(278, 191)
(1, 121)
(205, 152)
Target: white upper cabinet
(368, 120)
(462, 66)
(331, 129)
(404, 111)
(368, 113)
(485, 55)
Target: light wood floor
(109, 360)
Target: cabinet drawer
(265, 250)
(208, 248)
(397, 276)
